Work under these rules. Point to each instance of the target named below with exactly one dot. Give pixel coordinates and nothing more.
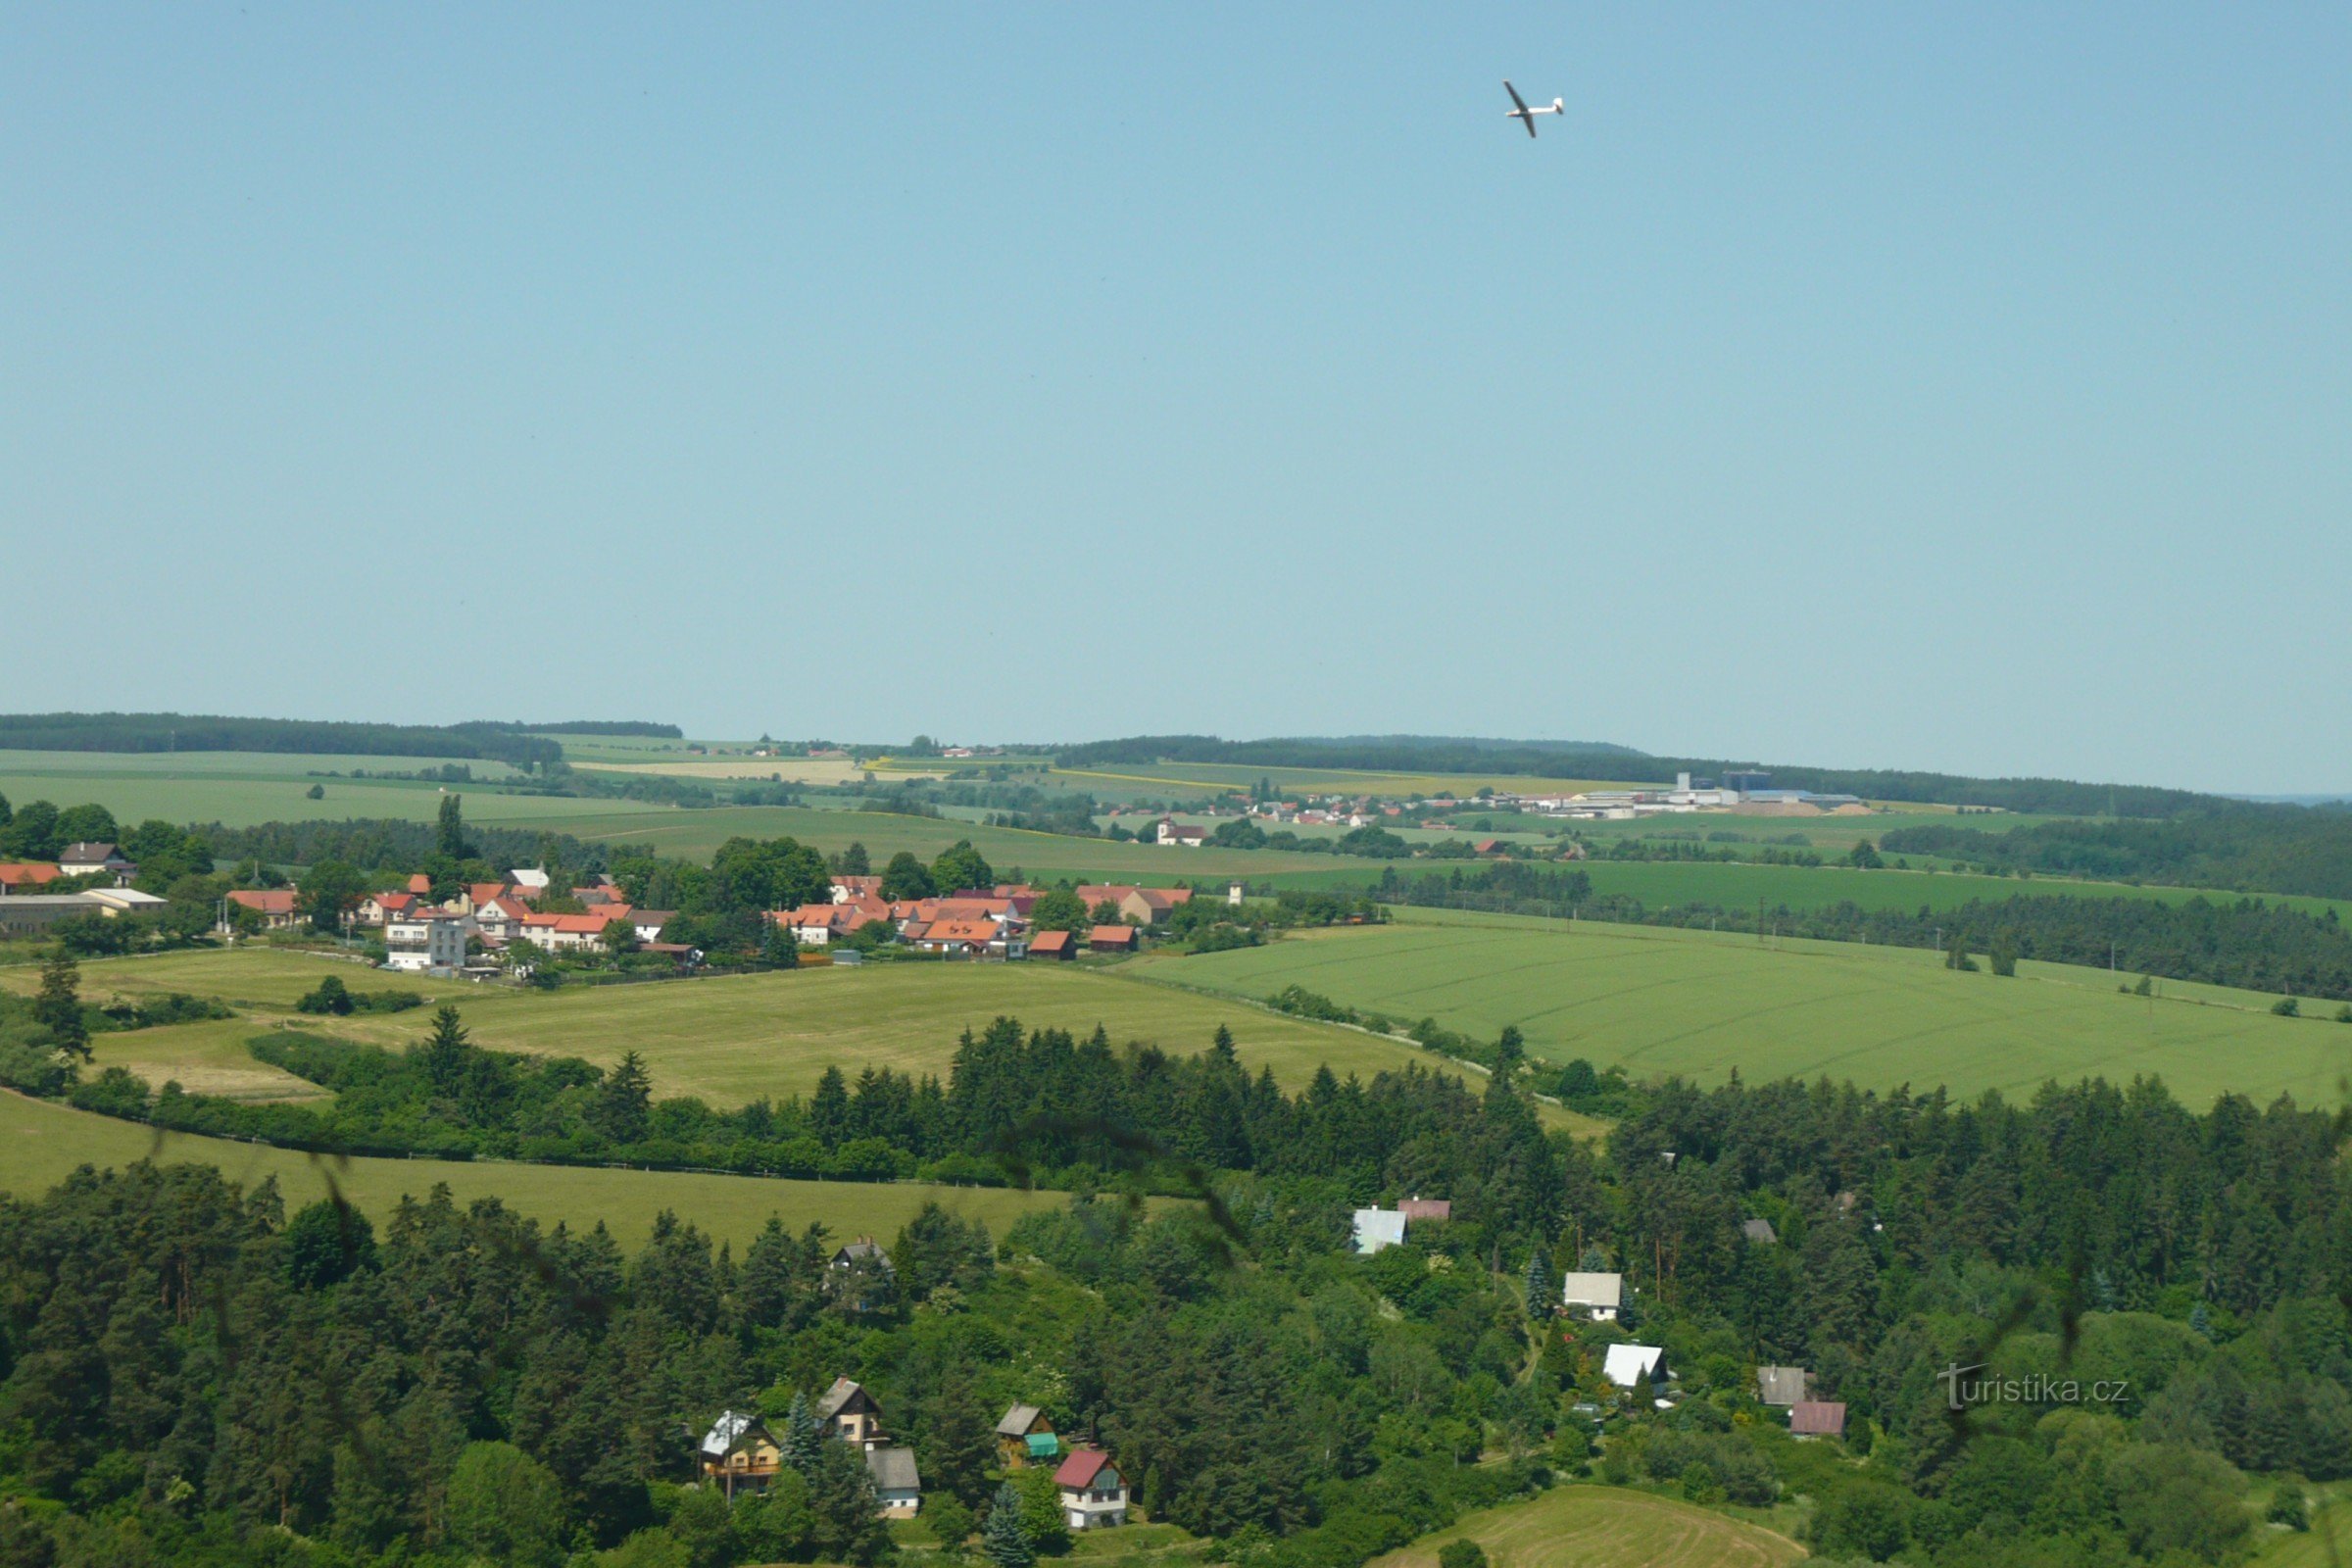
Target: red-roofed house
(498, 918)
(558, 933)
(1112, 939)
(1093, 1494)
(1057, 945)
(377, 907)
(420, 884)
(967, 939)
(276, 905)
(846, 888)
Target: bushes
(333, 998)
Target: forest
(187, 1373)
(2271, 849)
(208, 732)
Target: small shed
(897, 1485)
(1024, 1437)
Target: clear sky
(1963, 387)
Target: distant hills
(507, 742)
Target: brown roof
(1079, 1470)
(265, 901)
(1818, 1418)
(1111, 936)
(1425, 1209)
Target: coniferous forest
(190, 1373)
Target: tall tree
(445, 1051)
(449, 835)
(907, 877)
(960, 866)
(1005, 1539)
(57, 1006)
(624, 1106)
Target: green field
(1604, 1527)
(727, 1039)
(1114, 779)
(41, 1143)
(1700, 1004)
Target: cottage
(1375, 1228)
(96, 860)
(650, 924)
(852, 1414)
(1093, 1494)
(738, 1451)
(1633, 1365)
(1816, 1418)
(1111, 938)
(1060, 946)
(1782, 1385)
(898, 1486)
(1425, 1209)
(1183, 833)
(276, 905)
(1596, 1295)
(1024, 1437)
(864, 1249)
(376, 909)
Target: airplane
(1526, 116)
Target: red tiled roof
(1079, 1470)
(1111, 936)
(36, 872)
(1050, 942)
(265, 901)
(421, 883)
(961, 931)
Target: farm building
(852, 1414)
(1375, 1228)
(1596, 1295)
(1816, 1418)
(1781, 1385)
(1633, 1365)
(1060, 946)
(738, 1451)
(29, 914)
(1024, 1437)
(1111, 938)
(897, 1485)
(1183, 833)
(1093, 1494)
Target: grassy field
(1700, 1004)
(42, 1143)
(1112, 778)
(728, 1040)
(1604, 1527)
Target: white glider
(1526, 116)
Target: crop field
(1604, 1527)
(1698, 1004)
(42, 1143)
(815, 770)
(727, 1039)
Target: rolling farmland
(727, 1039)
(41, 1143)
(1604, 1527)
(1658, 1001)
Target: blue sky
(1963, 387)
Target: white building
(1630, 1366)
(1375, 1228)
(433, 943)
(1595, 1295)
(1093, 1494)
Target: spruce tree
(1004, 1541)
(445, 1052)
(57, 1007)
(803, 1436)
(1539, 1284)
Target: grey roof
(839, 1394)
(86, 852)
(866, 1246)
(1781, 1385)
(726, 1430)
(1375, 1228)
(1018, 1420)
(893, 1469)
(1592, 1289)
(1760, 1230)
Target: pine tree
(624, 1106)
(58, 1006)
(958, 1448)
(1539, 1284)
(1005, 1542)
(803, 1436)
(449, 835)
(445, 1052)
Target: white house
(1630, 1366)
(433, 943)
(1596, 1295)
(89, 860)
(1093, 1494)
(1183, 833)
(1375, 1228)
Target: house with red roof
(564, 933)
(958, 938)
(1093, 1494)
(276, 905)
(1112, 939)
(22, 876)
(1061, 946)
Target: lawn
(727, 1039)
(1660, 1002)
(41, 1143)
(1604, 1527)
